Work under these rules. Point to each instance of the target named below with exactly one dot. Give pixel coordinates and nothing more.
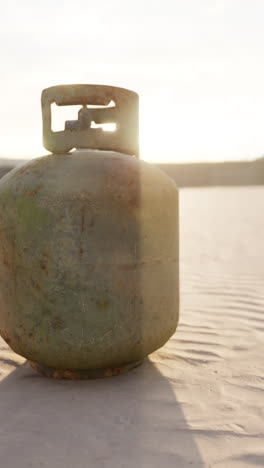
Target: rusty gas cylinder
(88, 243)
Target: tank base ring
(83, 374)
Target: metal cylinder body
(88, 260)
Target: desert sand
(198, 401)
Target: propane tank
(88, 243)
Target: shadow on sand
(130, 421)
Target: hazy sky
(198, 66)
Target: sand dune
(196, 402)
(233, 173)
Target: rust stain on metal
(32, 192)
(43, 265)
(35, 284)
(102, 303)
(83, 374)
(57, 323)
(82, 219)
(44, 259)
(82, 230)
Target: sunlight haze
(197, 66)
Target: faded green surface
(88, 259)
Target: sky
(198, 66)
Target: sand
(197, 402)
